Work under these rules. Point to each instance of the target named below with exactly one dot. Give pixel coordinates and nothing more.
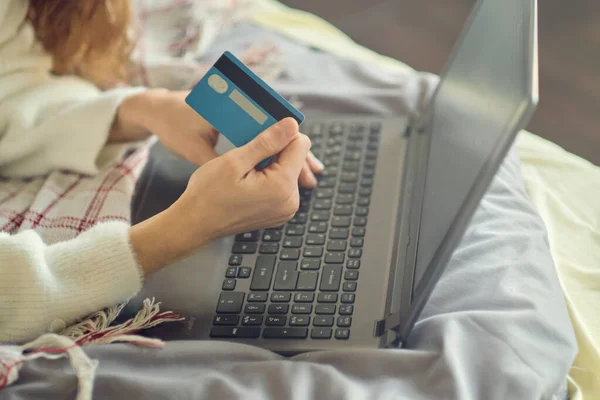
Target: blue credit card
(237, 103)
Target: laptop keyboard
(306, 273)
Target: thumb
(269, 143)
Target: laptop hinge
(384, 325)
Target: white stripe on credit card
(246, 105)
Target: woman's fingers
(307, 177)
(314, 164)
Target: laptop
(357, 263)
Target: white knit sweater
(53, 275)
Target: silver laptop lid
(487, 94)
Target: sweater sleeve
(47, 122)
(44, 288)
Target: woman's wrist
(166, 238)
(133, 119)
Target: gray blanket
(496, 326)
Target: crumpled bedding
(563, 188)
(496, 326)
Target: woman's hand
(228, 195)
(181, 130)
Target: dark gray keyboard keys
(363, 202)
(294, 242)
(231, 272)
(353, 264)
(228, 284)
(289, 254)
(318, 227)
(252, 320)
(313, 239)
(295, 230)
(272, 236)
(286, 276)
(355, 253)
(304, 297)
(327, 297)
(347, 187)
(323, 320)
(342, 333)
(299, 218)
(346, 309)
(340, 222)
(328, 309)
(318, 216)
(360, 221)
(349, 287)
(310, 264)
(248, 237)
(269, 248)
(313, 251)
(226, 319)
(254, 309)
(344, 321)
(307, 280)
(361, 211)
(301, 308)
(322, 204)
(339, 233)
(278, 320)
(351, 275)
(320, 333)
(230, 302)
(278, 308)
(349, 177)
(263, 272)
(299, 320)
(244, 272)
(257, 297)
(244, 248)
(357, 242)
(235, 260)
(281, 297)
(332, 276)
(244, 332)
(335, 257)
(324, 193)
(358, 231)
(348, 298)
(285, 333)
(337, 245)
(342, 210)
(344, 199)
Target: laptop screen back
(484, 94)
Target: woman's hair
(89, 38)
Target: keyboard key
(292, 242)
(344, 322)
(226, 319)
(360, 221)
(244, 248)
(285, 333)
(328, 309)
(248, 237)
(257, 297)
(336, 245)
(281, 297)
(363, 202)
(342, 210)
(316, 130)
(286, 276)
(351, 275)
(229, 284)
(231, 272)
(364, 192)
(342, 333)
(299, 320)
(313, 251)
(269, 248)
(361, 211)
(289, 254)
(353, 264)
(349, 287)
(315, 239)
(366, 182)
(327, 183)
(308, 264)
(278, 308)
(244, 272)
(324, 193)
(295, 230)
(339, 222)
(301, 308)
(332, 276)
(371, 155)
(272, 236)
(370, 163)
(276, 320)
(350, 177)
(358, 231)
(322, 204)
(357, 242)
(352, 156)
(254, 308)
(235, 332)
(346, 309)
(330, 172)
(327, 297)
(337, 129)
(355, 253)
(235, 260)
(338, 233)
(357, 127)
(372, 146)
(368, 172)
(375, 127)
(351, 166)
(320, 216)
(318, 227)
(347, 188)
(307, 280)
(304, 297)
(252, 320)
(348, 298)
(323, 320)
(344, 199)
(230, 302)
(320, 333)
(263, 272)
(299, 218)
(334, 258)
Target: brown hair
(89, 38)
